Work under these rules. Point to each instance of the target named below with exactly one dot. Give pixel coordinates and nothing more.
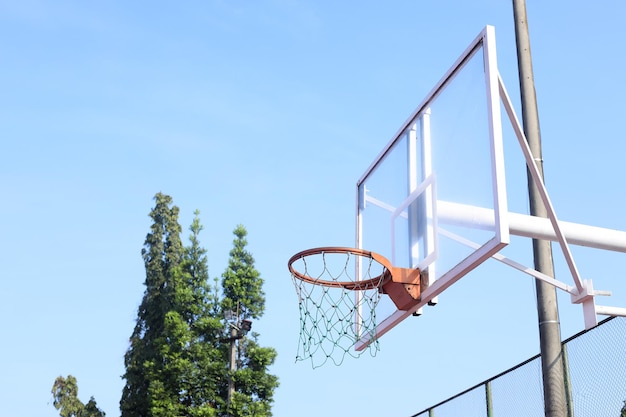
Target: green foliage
(242, 287)
(91, 409)
(177, 363)
(65, 394)
(241, 282)
(623, 413)
(169, 368)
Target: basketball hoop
(338, 289)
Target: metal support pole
(231, 361)
(547, 309)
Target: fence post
(488, 398)
(569, 400)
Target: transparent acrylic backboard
(434, 198)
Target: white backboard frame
(484, 42)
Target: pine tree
(252, 386)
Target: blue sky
(266, 114)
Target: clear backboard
(435, 198)
(430, 208)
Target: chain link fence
(595, 362)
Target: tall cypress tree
(145, 391)
(173, 364)
(243, 294)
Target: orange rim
(368, 284)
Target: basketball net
(337, 307)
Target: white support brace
(532, 226)
(587, 297)
(536, 175)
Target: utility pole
(231, 361)
(238, 330)
(547, 308)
